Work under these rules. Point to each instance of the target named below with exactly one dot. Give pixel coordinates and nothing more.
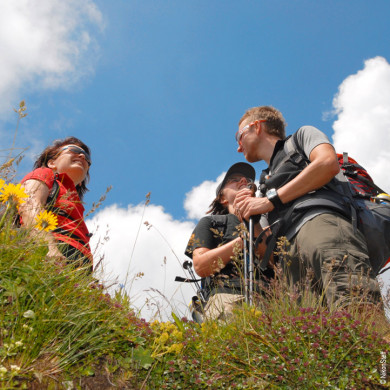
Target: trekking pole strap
(186, 280)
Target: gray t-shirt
(308, 138)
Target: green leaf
(142, 357)
(87, 371)
(138, 340)
(179, 323)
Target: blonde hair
(275, 123)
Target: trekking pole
(187, 265)
(197, 302)
(246, 268)
(251, 263)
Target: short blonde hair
(275, 124)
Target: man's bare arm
(323, 167)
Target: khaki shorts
(221, 305)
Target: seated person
(62, 167)
(216, 245)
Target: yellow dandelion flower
(2, 182)
(46, 221)
(14, 193)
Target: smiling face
(234, 184)
(248, 139)
(72, 160)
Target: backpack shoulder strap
(53, 193)
(292, 145)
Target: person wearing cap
(216, 244)
(64, 167)
(299, 195)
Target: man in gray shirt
(301, 198)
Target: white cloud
(363, 123)
(198, 200)
(130, 247)
(157, 252)
(45, 44)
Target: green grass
(59, 329)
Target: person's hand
(246, 205)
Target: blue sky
(156, 89)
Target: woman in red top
(61, 172)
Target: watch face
(271, 193)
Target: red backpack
(361, 182)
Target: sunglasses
(77, 150)
(241, 132)
(237, 179)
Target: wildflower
(175, 348)
(2, 182)
(163, 338)
(155, 324)
(46, 221)
(178, 335)
(14, 193)
(15, 368)
(256, 313)
(3, 370)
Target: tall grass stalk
(147, 201)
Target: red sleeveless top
(68, 208)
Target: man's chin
(249, 158)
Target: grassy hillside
(59, 329)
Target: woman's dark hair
(216, 207)
(50, 153)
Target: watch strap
(275, 200)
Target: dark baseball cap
(241, 168)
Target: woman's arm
(209, 261)
(38, 193)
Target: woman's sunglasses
(77, 150)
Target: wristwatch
(273, 197)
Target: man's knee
(346, 275)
